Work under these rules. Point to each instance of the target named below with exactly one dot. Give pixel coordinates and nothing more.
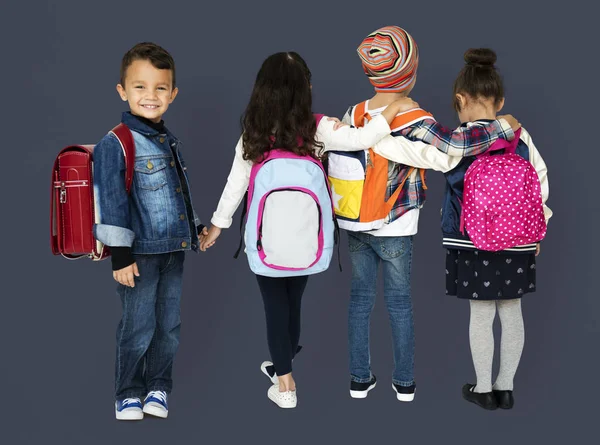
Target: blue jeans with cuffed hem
(148, 334)
(395, 254)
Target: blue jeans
(148, 334)
(366, 252)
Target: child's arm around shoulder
(470, 141)
(348, 138)
(415, 154)
(540, 167)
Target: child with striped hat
(390, 58)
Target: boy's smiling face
(148, 90)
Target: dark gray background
(60, 65)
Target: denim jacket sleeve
(112, 200)
(197, 221)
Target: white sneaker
(286, 399)
(269, 370)
(129, 409)
(155, 404)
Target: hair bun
(480, 57)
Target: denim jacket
(157, 216)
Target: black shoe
(485, 399)
(404, 393)
(361, 390)
(505, 399)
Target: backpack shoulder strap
(360, 114)
(318, 118)
(503, 144)
(125, 138)
(242, 221)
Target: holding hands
(209, 237)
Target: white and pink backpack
(290, 226)
(502, 200)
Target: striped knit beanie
(390, 58)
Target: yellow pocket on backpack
(347, 197)
(346, 177)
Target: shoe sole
(509, 406)
(263, 367)
(156, 411)
(272, 399)
(403, 397)
(129, 415)
(481, 406)
(362, 394)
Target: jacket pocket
(150, 174)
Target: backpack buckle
(63, 193)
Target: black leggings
(282, 298)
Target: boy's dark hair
(156, 55)
(279, 114)
(479, 77)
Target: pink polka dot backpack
(502, 200)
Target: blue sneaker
(155, 404)
(129, 409)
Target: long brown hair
(279, 114)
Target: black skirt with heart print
(481, 275)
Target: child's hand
(398, 106)
(514, 123)
(210, 238)
(338, 123)
(125, 276)
(538, 248)
(203, 234)
(404, 104)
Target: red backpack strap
(54, 211)
(125, 138)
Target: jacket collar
(478, 121)
(135, 124)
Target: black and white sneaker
(268, 369)
(361, 390)
(404, 393)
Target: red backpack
(72, 207)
